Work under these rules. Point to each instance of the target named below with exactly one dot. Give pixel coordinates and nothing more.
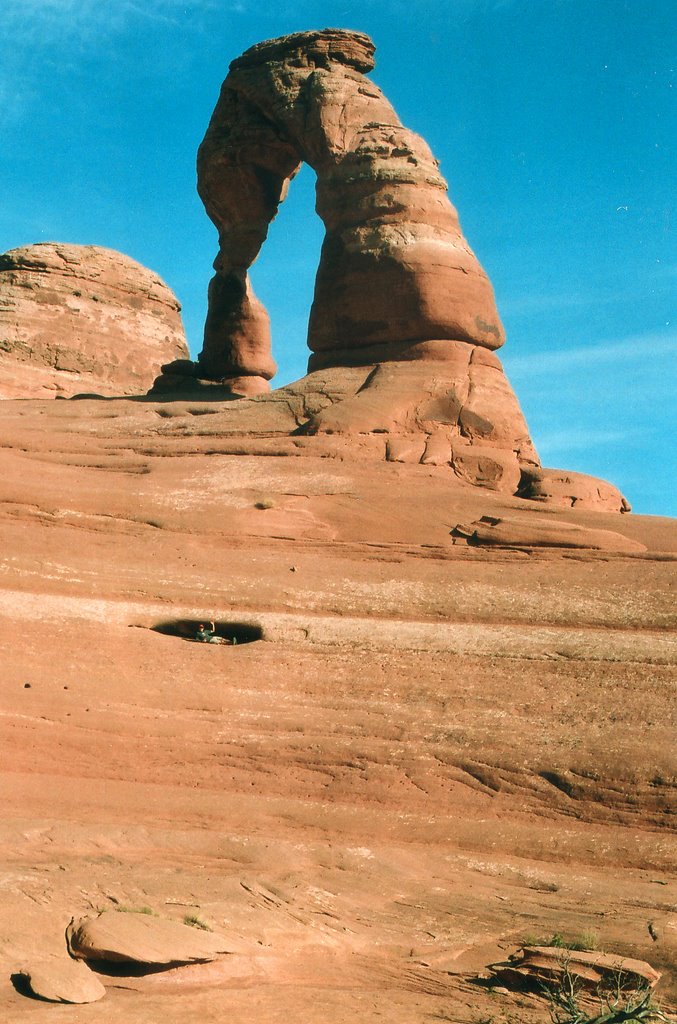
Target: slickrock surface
(61, 980)
(434, 751)
(141, 938)
(459, 414)
(79, 318)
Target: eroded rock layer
(80, 318)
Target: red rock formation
(508, 532)
(398, 291)
(395, 269)
(543, 965)
(571, 490)
(144, 939)
(79, 318)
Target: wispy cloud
(552, 443)
(630, 350)
(41, 36)
(536, 303)
(28, 19)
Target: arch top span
(338, 45)
(395, 271)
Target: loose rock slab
(571, 490)
(63, 981)
(543, 964)
(142, 939)
(516, 533)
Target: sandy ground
(433, 754)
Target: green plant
(196, 922)
(136, 910)
(616, 1004)
(586, 941)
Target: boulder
(547, 964)
(543, 533)
(62, 981)
(570, 490)
(142, 939)
(80, 318)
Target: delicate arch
(395, 271)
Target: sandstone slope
(436, 751)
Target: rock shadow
(21, 985)
(233, 633)
(135, 969)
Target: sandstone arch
(396, 279)
(403, 323)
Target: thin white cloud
(583, 440)
(69, 28)
(536, 303)
(626, 351)
(39, 36)
(30, 22)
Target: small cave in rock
(135, 969)
(200, 631)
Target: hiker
(204, 635)
(208, 636)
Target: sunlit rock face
(81, 318)
(395, 270)
(399, 293)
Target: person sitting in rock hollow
(207, 636)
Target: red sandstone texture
(459, 413)
(451, 735)
(434, 753)
(80, 318)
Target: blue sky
(555, 125)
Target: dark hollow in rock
(128, 969)
(240, 632)
(21, 985)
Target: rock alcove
(186, 629)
